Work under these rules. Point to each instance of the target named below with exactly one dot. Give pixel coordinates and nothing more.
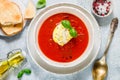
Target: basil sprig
(26, 71)
(72, 31)
(41, 4)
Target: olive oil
(13, 61)
(4, 66)
(16, 59)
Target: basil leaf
(27, 71)
(20, 74)
(66, 24)
(41, 4)
(73, 32)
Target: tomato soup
(70, 51)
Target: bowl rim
(63, 70)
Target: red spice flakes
(101, 7)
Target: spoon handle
(113, 27)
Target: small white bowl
(103, 19)
(57, 67)
(111, 10)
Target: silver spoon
(100, 67)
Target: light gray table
(113, 58)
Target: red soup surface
(70, 51)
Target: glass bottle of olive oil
(14, 59)
(4, 66)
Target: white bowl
(48, 64)
(110, 12)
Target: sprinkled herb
(41, 4)
(72, 31)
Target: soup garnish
(64, 32)
(67, 24)
(61, 35)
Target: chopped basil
(72, 31)
(41, 4)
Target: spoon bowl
(100, 68)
